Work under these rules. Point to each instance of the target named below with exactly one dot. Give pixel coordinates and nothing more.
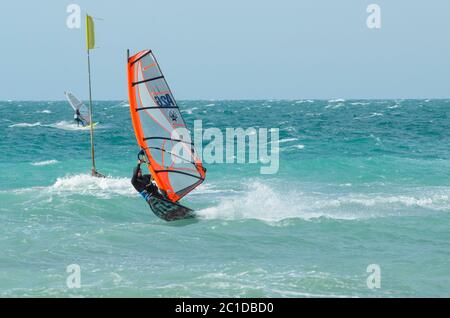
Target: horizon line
(240, 99)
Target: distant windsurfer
(143, 183)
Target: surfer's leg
(145, 195)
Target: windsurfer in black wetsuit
(143, 183)
(157, 198)
(77, 117)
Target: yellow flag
(90, 37)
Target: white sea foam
(287, 140)
(208, 188)
(337, 100)
(45, 111)
(293, 147)
(267, 200)
(64, 125)
(370, 116)
(123, 104)
(334, 106)
(45, 162)
(69, 125)
(289, 128)
(264, 201)
(359, 103)
(435, 202)
(85, 184)
(189, 110)
(261, 202)
(21, 125)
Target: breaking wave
(269, 203)
(21, 125)
(45, 162)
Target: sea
(359, 207)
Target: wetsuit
(78, 119)
(144, 185)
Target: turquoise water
(360, 182)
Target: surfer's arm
(135, 173)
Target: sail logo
(164, 100)
(173, 115)
(234, 146)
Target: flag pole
(90, 116)
(90, 42)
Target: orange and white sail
(156, 118)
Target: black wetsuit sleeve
(134, 180)
(146, 178)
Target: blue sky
(234, 49)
